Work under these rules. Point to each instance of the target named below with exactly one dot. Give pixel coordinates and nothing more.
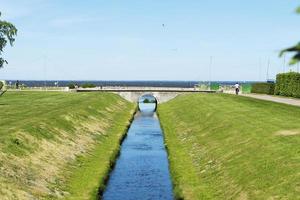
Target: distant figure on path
(17, 84)
(237, 88)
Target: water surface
(142, 170)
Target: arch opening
(147, 103)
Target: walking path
(278, 99)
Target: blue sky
(125, 39)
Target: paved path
(278, 99)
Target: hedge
(263, 88)
(88, 85)
(288, 84)
(1, 85)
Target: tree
(296, 49)
(7, 34)
(146, 101)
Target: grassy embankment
(59, 144)
(232, 147)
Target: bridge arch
(161, 97)
(152, 99)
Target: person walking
(237, 88)
(17, 84)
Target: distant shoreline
(64, 83)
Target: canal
(142, 170)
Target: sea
(65, 83)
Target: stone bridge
(160, 97)
(162, 94)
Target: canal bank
(142, 169)
(232, 147)
(64, 147)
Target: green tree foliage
(71, 85)
(295, 49)
(7, 33)
(146, 101)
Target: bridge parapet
(145, 89)
(162, 94)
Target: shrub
(288, 84)
(246, 88)
(215, 86)
(88, 85)
(71, 86)
(263, 88)
(1, 85)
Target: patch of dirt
(288, 132)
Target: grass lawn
(231, 147)
(55, 144)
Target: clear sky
(125, 39)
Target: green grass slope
(55, 145)
(232, 147)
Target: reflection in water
(141, 171)
(147, 107)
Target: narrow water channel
(142, 170)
